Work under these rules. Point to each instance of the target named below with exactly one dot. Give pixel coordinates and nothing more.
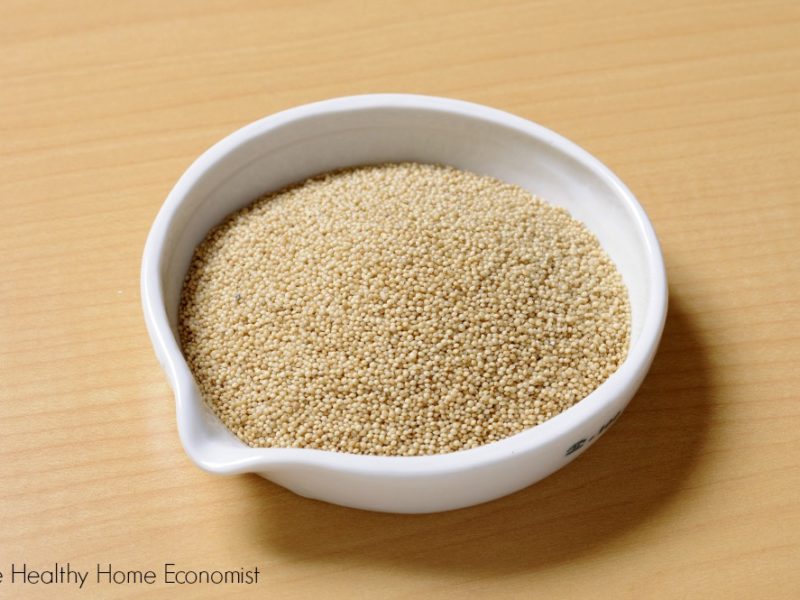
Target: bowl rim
(627, 377)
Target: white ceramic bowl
(292, 145)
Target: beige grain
(399, 309)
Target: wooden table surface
(695, 492)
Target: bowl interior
(292, 146)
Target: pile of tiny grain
(399, 309)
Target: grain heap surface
(399, 309)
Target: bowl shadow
(638, 468)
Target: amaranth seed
(399, 309)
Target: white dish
(288, 147)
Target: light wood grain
(695, 104)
